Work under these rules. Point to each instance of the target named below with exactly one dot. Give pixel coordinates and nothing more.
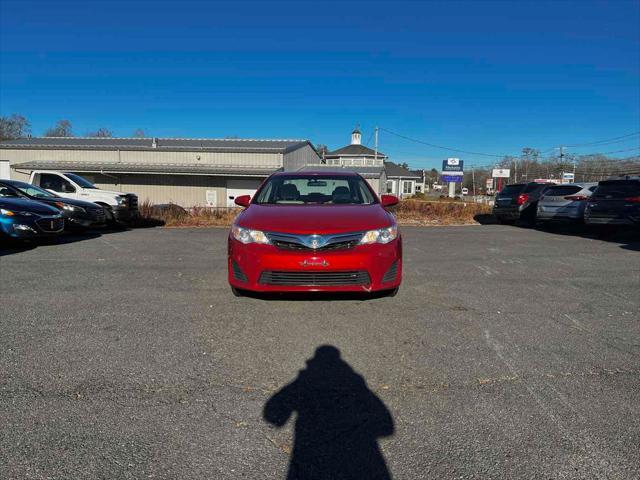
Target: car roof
(323, 173)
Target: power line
(606, 140)
(440, 146)
(618, 151)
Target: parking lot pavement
(507, 353)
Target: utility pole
(375, 156)
(473, 182)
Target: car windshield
(32, 190)
(315, 189)
(83, 182)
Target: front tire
(237, 292)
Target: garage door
(235, 188)
(4, 169)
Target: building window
(406, 188)
(390, 185)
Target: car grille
(391, 274)
(286, 241)
(50, 225)
(338, 278)
(132, 201)
(97, 214)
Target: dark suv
(615, 202)
(519, 201)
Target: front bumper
(85, 220)
(125, 213)
(31, 227)
(266, 268)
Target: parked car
(76, 212)
(615, 202)
(118, 206)
(308, 231)
(465, 191)
(518, 201)
(21, 217)
(564, 202)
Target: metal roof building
(186, 171)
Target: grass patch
(408, 212)
(417, 212)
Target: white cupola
(356, 137)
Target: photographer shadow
(339, 421)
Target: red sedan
(307, 231)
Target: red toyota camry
(307, 231)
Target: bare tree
(14, 126)
(101, 133)
(61, 129)
(139, 133)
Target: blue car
(23, 218)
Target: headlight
(11, 213)
(121, 200)
(383, 235)
(246, 235)
(69, 208)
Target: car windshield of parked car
(33, 191)
(83, 182)
(617, 189)
(315, 189)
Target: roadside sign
(489, 183)
(452, 165)
(212, 198)
(568, 177)
(452, 178)
(501, 173)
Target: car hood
(68, 201)
(307, 219)
(26, 205)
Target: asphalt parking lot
(507, 353)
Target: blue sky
(485, 76)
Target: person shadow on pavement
(339, 421)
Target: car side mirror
(389, 200)
(243, 201)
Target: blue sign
(452, 165)
(452, 178)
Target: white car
(118, 206)
(465, 191)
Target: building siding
(184, 190)
(227, 159)
(300, 157)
